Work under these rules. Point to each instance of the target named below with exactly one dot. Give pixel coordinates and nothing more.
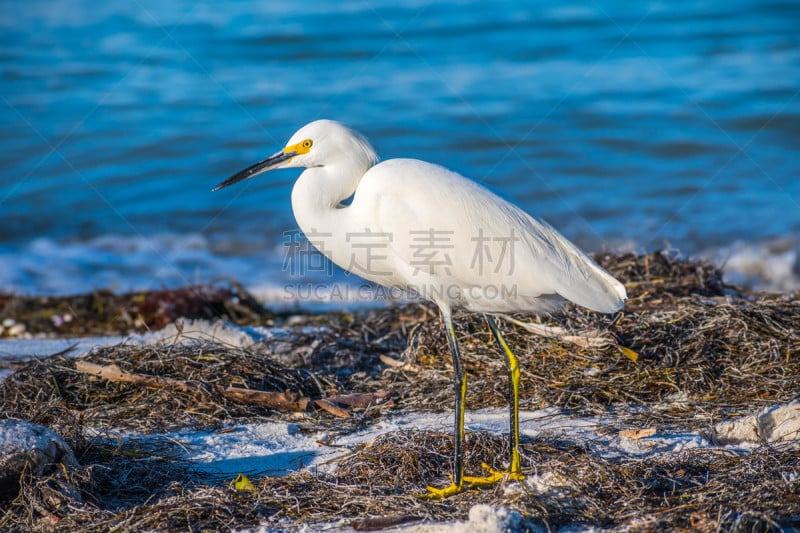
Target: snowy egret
(422, 228)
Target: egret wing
(452, 231)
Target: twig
(332, 409)
(287, 401)
(591, 338)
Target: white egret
(422, 228)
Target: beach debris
(61, 319)
(482, 518)
(11, 328)
(772, 424)
(490, 519)
(30, 449)
(378, 523)
(329, 406)
(288, 400)
(590, 338)
(627, 352)
(188, 331)
(357, 400)
(636, 434)
(707, 353)
(103, 312)
(402, 365)
(243, 484)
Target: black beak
(254, 170)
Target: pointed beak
(269, 163)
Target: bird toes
(438, 494)
(493, 477)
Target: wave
(117, 262)
(131, 263)
(772, 265)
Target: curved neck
(318, 193)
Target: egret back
(478, 250)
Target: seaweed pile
(106, 313)
(695, 351)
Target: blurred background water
(627, 125)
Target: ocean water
(635, 126)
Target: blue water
(624, 124)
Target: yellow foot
(493, 476)
(437, 494)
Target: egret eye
(307, 143)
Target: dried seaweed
(102, 403)
(706, 351)
(106, 313)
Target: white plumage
(423, 228)
(409, 203)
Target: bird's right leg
(460, 385)
(514, 468)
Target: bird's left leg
(514, 468)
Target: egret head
(317, 144)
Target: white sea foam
(772, 265)
(128, 263)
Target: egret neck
(317, 198)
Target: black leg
(460, 386)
